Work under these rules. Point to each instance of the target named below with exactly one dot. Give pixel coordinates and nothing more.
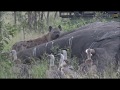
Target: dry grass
(19, 37)
(38, 70)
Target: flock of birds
(61, 70)
(20, 69)
(64, 70)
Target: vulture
(87, 68)
(53, 71)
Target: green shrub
(11, 34)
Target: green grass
(19, 37)
(6, 70)
(39, 70)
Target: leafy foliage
(10, 34)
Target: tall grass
(39, 70)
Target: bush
(11, 33)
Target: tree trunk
(41, 21)
(19, 16)
(55, 15)
(42, 16)
(39, 15)
(29, 20)
(0, 23)
(48, 18)
(15, 21)
(1, 36)
(35, 20)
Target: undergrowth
(39, 70)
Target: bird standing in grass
(15, 59)
(67, 71)
(53, 72)
(22, 70)
(64, 52)
(88, 68)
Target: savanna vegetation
(17, 26)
